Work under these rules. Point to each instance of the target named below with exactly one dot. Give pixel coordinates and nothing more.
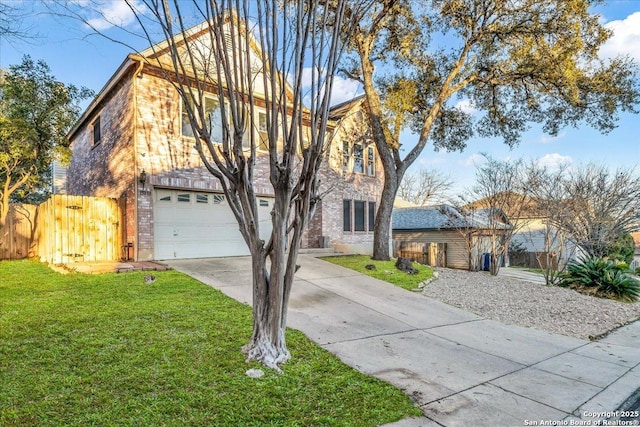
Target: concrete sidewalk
(459, 368)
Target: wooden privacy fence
(532, 260)
(433, 254)
(17, 235)
(68, 229)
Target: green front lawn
(80, 350)
(385, 270)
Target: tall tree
(515, 62)
(36, 111)
(425, 187)
(281, 55)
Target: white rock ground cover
(513, 301)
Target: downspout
(136, 172)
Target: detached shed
(467, 235)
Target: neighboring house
(58, 178)
(466, 234)
(532, 234)
(134, 142)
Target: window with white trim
(359, 158)
(213, 113)
(263, 136)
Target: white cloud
(554, 160)
(432, 160)
(343, 89)
(466, 107)
(114, 13)
(625, 38)
(473, 160)
(546, 139)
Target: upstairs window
(213, 114)
(345, 156)
(96, 131)
(358, 160)
(263, 136)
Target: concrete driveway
(459, 368)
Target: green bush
(622, 249)
(602, 278)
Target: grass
(385, 270)
(80, 350)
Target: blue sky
(76, 56)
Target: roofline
(113, 81)
(347, 102)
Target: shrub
(622, 249)
(599, 277)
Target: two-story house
(134, 142)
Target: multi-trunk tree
(513, 62)
(225, 59)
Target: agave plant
(600, 277)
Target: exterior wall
(457, 255)
(108, 168)
(338, 185)
(531, 235)
(141, 131)
(169, 159)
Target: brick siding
(155, 145)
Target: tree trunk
(383, 218)
(4, 212)
(267, 344)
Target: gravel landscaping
(513, 301)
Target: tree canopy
(514, 62)
(36, 111)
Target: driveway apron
(459, 368)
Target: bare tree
(278, 54)
(12, 22)
(425, 187)
(601, 206)
(548, 208)
(496, 201)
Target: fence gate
(432, 254)
(78, 228)
(65, 229)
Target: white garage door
(200, 225)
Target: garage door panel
(199, 225)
